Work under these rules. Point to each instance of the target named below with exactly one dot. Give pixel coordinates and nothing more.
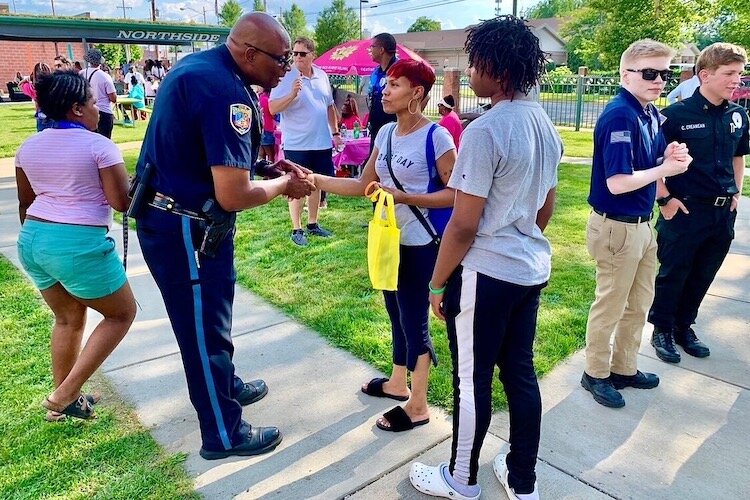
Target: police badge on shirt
(240, 117)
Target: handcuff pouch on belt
(219, 224)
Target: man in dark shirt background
(383, 51)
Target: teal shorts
(81, 258)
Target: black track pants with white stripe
(493, 323)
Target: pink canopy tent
(353, 58)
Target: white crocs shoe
(430, 480)
(501, 471)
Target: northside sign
(166, 36)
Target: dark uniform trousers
(198, 296)
(692, 248)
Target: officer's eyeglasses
(282, 60)
(650, 74)
(300, 53)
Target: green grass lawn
(112, 456)
(579, 144)
(326, 287)
(19, 123)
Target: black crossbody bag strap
(417, 213)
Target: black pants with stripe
(493, 323)
(198, 293)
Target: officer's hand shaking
(285, 166)
(298, 186)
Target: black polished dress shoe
(259, 440)
(640, 380)
(603, 391)
(663, 342)
(255, 390)
(690, 343)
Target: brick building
(22, 56)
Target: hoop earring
(416, 108)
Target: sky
(394, 16)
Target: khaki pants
(625, 256)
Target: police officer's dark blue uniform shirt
(627, 137)
(203, 116)
(714, 136)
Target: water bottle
(356, 129)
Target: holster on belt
(219, 223)
(140, 193)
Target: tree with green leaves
(295, 22)
(115, 54)
(736, 26)
(229, 13)
(599, 32)
(259, 6)
(424, 23)
(336, 24)
(552, 8)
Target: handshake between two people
(298, 178)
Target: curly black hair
(506, 49)
(56, 93)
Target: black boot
(603, 391)
(686, 339)
(663, 342)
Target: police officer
(201, 143)
(699, 207)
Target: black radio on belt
(219, 223)
(140, 193)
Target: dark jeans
(409, 306)
(493, 323)
(692, 248)
(106, 122)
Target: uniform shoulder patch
(619, 136)
(240, 117)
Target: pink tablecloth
(356, 152)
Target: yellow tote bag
(383, 237)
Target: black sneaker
(663, 342)
(259, 440)
(640, 380)
(690, 343)
(316, 230)
(603, 391)
(298, 237)
(253, 391)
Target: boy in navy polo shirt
(630, 154)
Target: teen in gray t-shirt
(494, 261)
(509, 156)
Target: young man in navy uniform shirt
(630, 154)
(201, 142)
(699, 207)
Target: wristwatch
(663, 201)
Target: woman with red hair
(413, 160)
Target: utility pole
(360, 16)
(153, 19)
(124, 15)
(57, 52)
(216, 10)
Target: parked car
(741, 95)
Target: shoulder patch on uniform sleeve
(619, 136)
(737, 119)
(240, 117)
(662, 118)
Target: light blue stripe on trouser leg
(200, 334)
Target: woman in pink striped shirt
(69, 179)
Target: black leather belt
(628, 219)
(166, 203)
(716, 201)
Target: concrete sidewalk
(685, 439)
